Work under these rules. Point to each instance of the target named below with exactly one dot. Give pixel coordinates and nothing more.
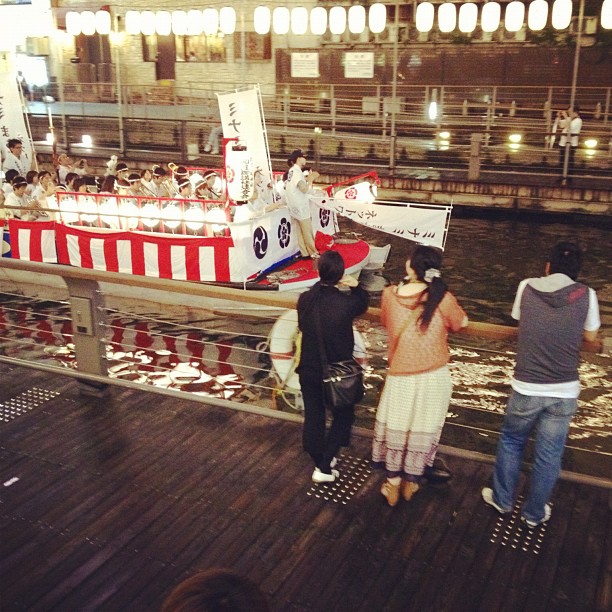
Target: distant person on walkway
(334, 301)
(25, 88)
(554, 312)
(418, 314)
(16, 158)
(216, 590)
(297, 189)
(570, 123)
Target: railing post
(87, 309)
(475, 150)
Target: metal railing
(354, 125)
(222, 356)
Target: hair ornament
(430, 274)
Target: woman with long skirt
(418, 314)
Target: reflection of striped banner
(176, 257)
(33, 240)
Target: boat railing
(220, 354)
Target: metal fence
(422, 128)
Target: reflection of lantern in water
(69, 210)
(109, 211)
(216, 215)
(171, 215)
(88, 209)
(129, 212)
(150, 215)
(194, 217)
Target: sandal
(391, 492)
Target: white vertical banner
(241, 118)
(12, 122)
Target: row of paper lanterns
(466, 17)
(298, 20)
(209, 21)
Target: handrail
(267, 298)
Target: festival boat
(246, 238)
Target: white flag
(241, 118)
(12, 123)
(422, 223)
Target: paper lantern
(109, 211)
(299, 20)
(171, 215)
(103, 22)
(195, 22)
(88, 23)
(88, 209)
(377, 18)
(163, 23)
(147, 23)
(561, 14)
(149, 214)
(227, 20)
(132, 22)
(356, 19)
(606, 15)
(514, 17)
(425, 16)
(179, 23)
(69, 210)
(194, 217)
(538, 15)
(281, 20)
(73, 23)
(490, 16)
(262, 19)
(468, 17)
(337, 20)
(318, 20)
(447, 17)
(210, 21)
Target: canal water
(216, 353)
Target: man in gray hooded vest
(554, 312)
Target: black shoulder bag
(342, 380)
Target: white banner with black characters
(422, 223)
(323, 219)
(241, 118)
(12, 123)
(264, 242)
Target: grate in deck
(353, 473)
(24, 402)
(509, 530)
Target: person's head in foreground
(216, 590)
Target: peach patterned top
(418, 351)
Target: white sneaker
(544, 519)
(487, 495)
(319, 476)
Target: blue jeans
(551, 417)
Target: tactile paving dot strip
(353, 474)
(24, 403)
(509, 530)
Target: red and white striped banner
(145, 254)
(33, 240)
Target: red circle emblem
(350, 193)
(229, 174)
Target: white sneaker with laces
(319, 476)
(544, 519)
(487, 496)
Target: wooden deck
(118, 500)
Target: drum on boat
(282, 344)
